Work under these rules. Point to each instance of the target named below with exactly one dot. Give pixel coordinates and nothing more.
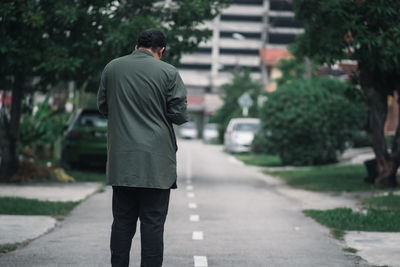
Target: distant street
(223, 214)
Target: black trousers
(148, 205)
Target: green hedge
(308, 121)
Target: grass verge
(260, 160)
(347, 178)
(350, 250)
(338, 234)
(345, 219)
(87, 176)
(5, 248)
(24, 206)
(389, 201)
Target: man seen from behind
(142, 97)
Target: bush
(361, 139)
(306, 122)
(260, 143)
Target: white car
(188, 130)
(210, 132)
(240, 134)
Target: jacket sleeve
(176, 101)
(102, 96)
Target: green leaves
(42, 127)
(374, 26)
(306, 122)
(65, 14)
(74, 40)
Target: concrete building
(241, 35)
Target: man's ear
(136, 47)
(161, 51)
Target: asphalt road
(223, 214)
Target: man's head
(152, 39)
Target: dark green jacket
(141, 96)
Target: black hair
(151, 38)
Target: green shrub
(307, 122)
(260, 143)
(360, 139)
(42, 127)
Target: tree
(240, 84)
(73, 40)
(369, 33)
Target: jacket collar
(142, 52)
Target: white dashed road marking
(200, 261)
(192, 205)
(194, 218)
(189, 187)
(197, 235)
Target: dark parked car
(85, 139)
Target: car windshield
(92, 120)
(211, 127)
(246, 127)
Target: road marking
(200, 261)
(194, 218)
(190, 195)
(189, 187)
(197, 235)
(192, 205)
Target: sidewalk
(64, 246)
(378, 248)
(21, 228)
(356, 155)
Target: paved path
(378, 248)
(19, 228)
(50, 191)
(223, 214)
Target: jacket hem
(172, 186)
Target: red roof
(195, 100)
(271, 56)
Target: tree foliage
(369, 33)
(308, 121)
(366, 31)
(73, 40)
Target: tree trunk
(396, 140)
(386, 164)
(9, 163)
